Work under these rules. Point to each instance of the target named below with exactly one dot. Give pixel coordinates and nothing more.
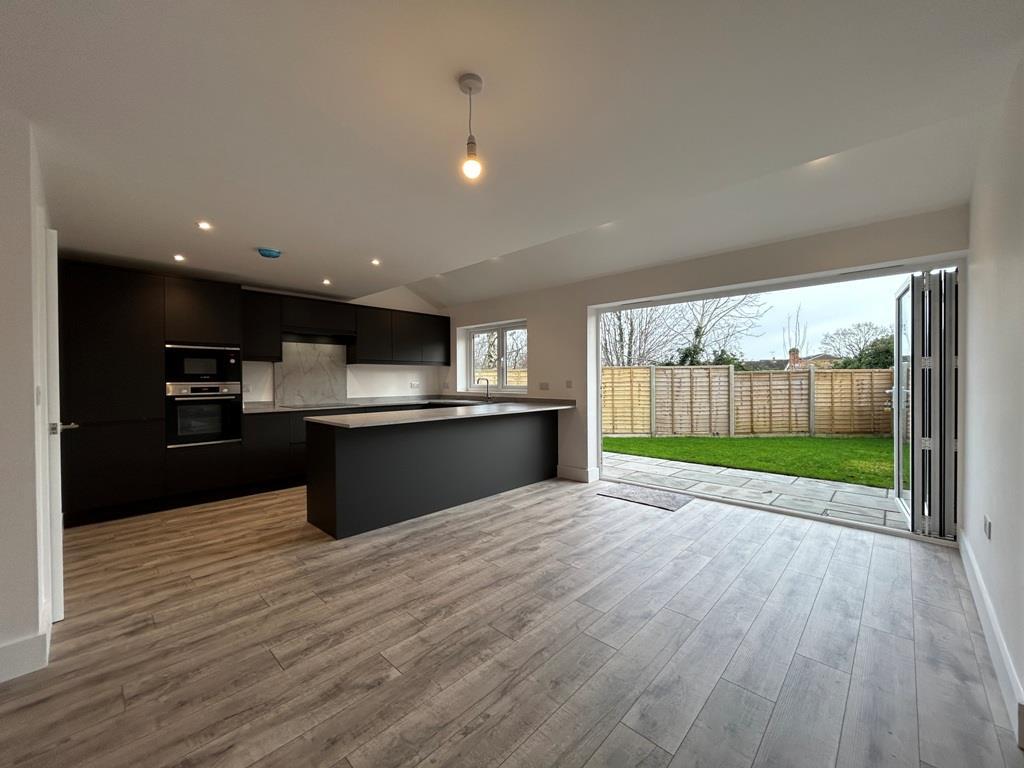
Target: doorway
(869, 438)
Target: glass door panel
(902, 399)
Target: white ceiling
(333, 130)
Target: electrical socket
(544, 386)
(988, 527)
(414, 385)
(568, 383)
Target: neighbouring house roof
(765, 365)
(820, 360)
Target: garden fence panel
(691, 400)
(699, 400)
(626, 401)
(853, 401)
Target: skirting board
(23, 656)
(579, 474)
(1009, 680)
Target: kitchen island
(369, 470)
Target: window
(497, 355)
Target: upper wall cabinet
(316, 317)
(392, 336)
(407, 337)
(373, 336)
(111, 343)
(437, 333)
(261, 326)
(202, 312)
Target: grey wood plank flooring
(728, 730)
(832, 628)
(545, 626)
(805, 725)
(880, 726)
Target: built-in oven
(203, 414)
(184, 363)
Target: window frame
(501, 329)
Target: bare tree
(515, 348)
(639, 336)
(649, 335)
(794, 334)
(852, 340)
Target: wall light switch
(544, 386)
(568, 383)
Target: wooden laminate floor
(547, 626)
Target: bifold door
(925, 401)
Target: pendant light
(471, 83)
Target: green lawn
(863, 460)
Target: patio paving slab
(828, 498)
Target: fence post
(654, 411)
(810, 400)
(732, 400)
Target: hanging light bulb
(471, 83)
(471, 165)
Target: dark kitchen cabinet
(266, 447)
(202, 312)
(407, 337)
(419, 338)
(202, 468)
(261, 326)
(107, 465)
(316, 317)
(436, 336)
(111, 324)
(373, 336)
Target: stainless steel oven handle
(195, 398)
(194, 346)
(207, 442)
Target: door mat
(652, 497)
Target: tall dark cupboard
(111, 329)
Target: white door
(53, 417)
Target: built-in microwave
(183, 363)
(203, 414)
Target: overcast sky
(824, 308)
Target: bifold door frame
(935, 396)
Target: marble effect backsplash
(310, 374)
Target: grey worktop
(390, 418)
(369, 402)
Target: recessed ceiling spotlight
(204, 225)
(178, 257)
(471, 83)
(327, 281)
(375, 262)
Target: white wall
(399, 297)
(993, 445)
(562, 328)
(24, 626)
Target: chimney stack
(794, 357)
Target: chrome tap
(487, 386)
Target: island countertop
(390, 418)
